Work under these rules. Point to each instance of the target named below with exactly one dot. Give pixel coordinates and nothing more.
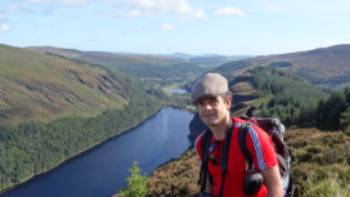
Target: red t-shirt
(259, 145)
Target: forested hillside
(294, 100)
(286, 96)
(35, 147)
(275, 93)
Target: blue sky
(229, 27)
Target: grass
(321, 162)
(36, 86)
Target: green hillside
(275, 92)
(36, 86)
(146, 67)
(286, 95)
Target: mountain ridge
(145, 65)
(326, 67)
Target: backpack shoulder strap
(204, 164)
(225, 155)
(243, 143)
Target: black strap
(243, 143)
(225, 155)
(204, 165)
(205, 149)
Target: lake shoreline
(92, 147)
(80, 153)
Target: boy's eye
(213, 100)
(199, 102)
(209, 100)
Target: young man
(211, 96)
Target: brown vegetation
(320, 167)
(176, 178)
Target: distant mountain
(209, 60)
(135, 65)
(182, 56)
(326, 67)
(213, 60)
(178, 66)
(36, 86)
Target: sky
(227, 27)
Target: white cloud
(167, 27)
(129, 8)
(198, 13)
(134, 12)
(37, 1)
(146, 7)
(74, 2)
(4, 27)
(65, 2)
(229, 11)
(39, 6)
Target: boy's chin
(212, 123)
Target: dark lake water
(101, 171)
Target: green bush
(137, 184)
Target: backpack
(276, 131)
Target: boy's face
(213, 109)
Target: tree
(347, 94)
(345, 119)
(137, 184)
(329, 116)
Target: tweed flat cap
(211, 84)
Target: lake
(176, 91)
(101, 171)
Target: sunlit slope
(326, 67)
(36, 86)
(140, 66)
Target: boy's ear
(228, 101)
